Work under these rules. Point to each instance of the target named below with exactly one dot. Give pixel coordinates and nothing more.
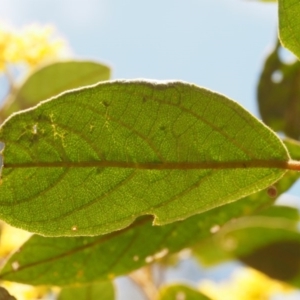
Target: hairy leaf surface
(93, 160)
(289, 25)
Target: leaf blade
(100, 290)
(171, 150)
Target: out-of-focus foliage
(63, 76)
(246, 284)
(180, 291)
(279, 93)
(103, 290)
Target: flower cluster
(32, 46)
(246, 284)
(11, 239)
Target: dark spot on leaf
(272, 191)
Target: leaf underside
(93, 160)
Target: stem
(293, 165)
(143, 279)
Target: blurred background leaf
(53, 79)
(180, 292)
(104, 290)
(293, 147)
(268, 242)
(279, 94)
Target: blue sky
(218, 44)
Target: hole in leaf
(272, 191)
(277, 76)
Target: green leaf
(289, 25)
(180, 291)
(279, 260)
(93, 160)
(274, 246)
(100, 290)
(269, 242)
(293, 148)
(41, 260)
(278, 95)
(209, 252)
(52, 80)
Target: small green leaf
(289, 25)
(209, 252)
(52, 80)
(293, 148)
(93, 160)
(274, 246)
(279, 260)
(180, 291)
(269, 242)
(278, 95)
(100, 290)
(100, 258)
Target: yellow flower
(247, 284)
(5, 40)
(33, 45)
(23, 291)
(11, 239)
